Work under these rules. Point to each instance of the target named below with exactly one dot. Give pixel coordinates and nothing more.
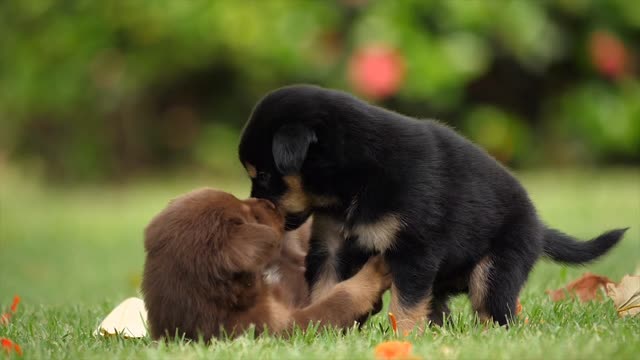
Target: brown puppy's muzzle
(266, 213)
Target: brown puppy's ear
(252, 247)
(290, 145)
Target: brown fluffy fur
(207, 256)
(286, 272)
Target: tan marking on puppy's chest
(380, 235)
(272, 275)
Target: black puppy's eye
(263, 177)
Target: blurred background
(109, 108)
(100, 90)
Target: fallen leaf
(394, 323)
(9, 346)
(128, 319)
(394, 350)
(586, 288)
(14, 305)
(518, 307)
(6, 317)
(626, 295)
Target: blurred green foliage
(103, 89)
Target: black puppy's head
(276, 144)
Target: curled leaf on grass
(626, 295)
(588, 287)
(9, 346)
(395, 350)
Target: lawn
(74, 253)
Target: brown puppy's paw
(373, 279)
(376, 271)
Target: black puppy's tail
(564, 248)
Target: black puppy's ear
(290, 145)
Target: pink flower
(376, 71)
(608, 54)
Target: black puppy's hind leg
(496, 280)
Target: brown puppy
(207, 254)
(286, 273)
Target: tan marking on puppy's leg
(251, 170)
(380, 235)
(478, 287)
(294, 200)
(409, 318)
(329, 233)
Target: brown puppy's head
(214, 234)
(206, 252)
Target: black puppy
(447, 217)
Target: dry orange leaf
(6, 317)
(518, 307)
(394, 350)
(9, 346)
(394, 323)
(626, 295)
(588, 287)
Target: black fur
(564, 248)
(457, 204)
(289, 147)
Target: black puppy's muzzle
(294, 221)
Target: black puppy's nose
(294, 221)
(259, 193)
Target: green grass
(73, 254)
